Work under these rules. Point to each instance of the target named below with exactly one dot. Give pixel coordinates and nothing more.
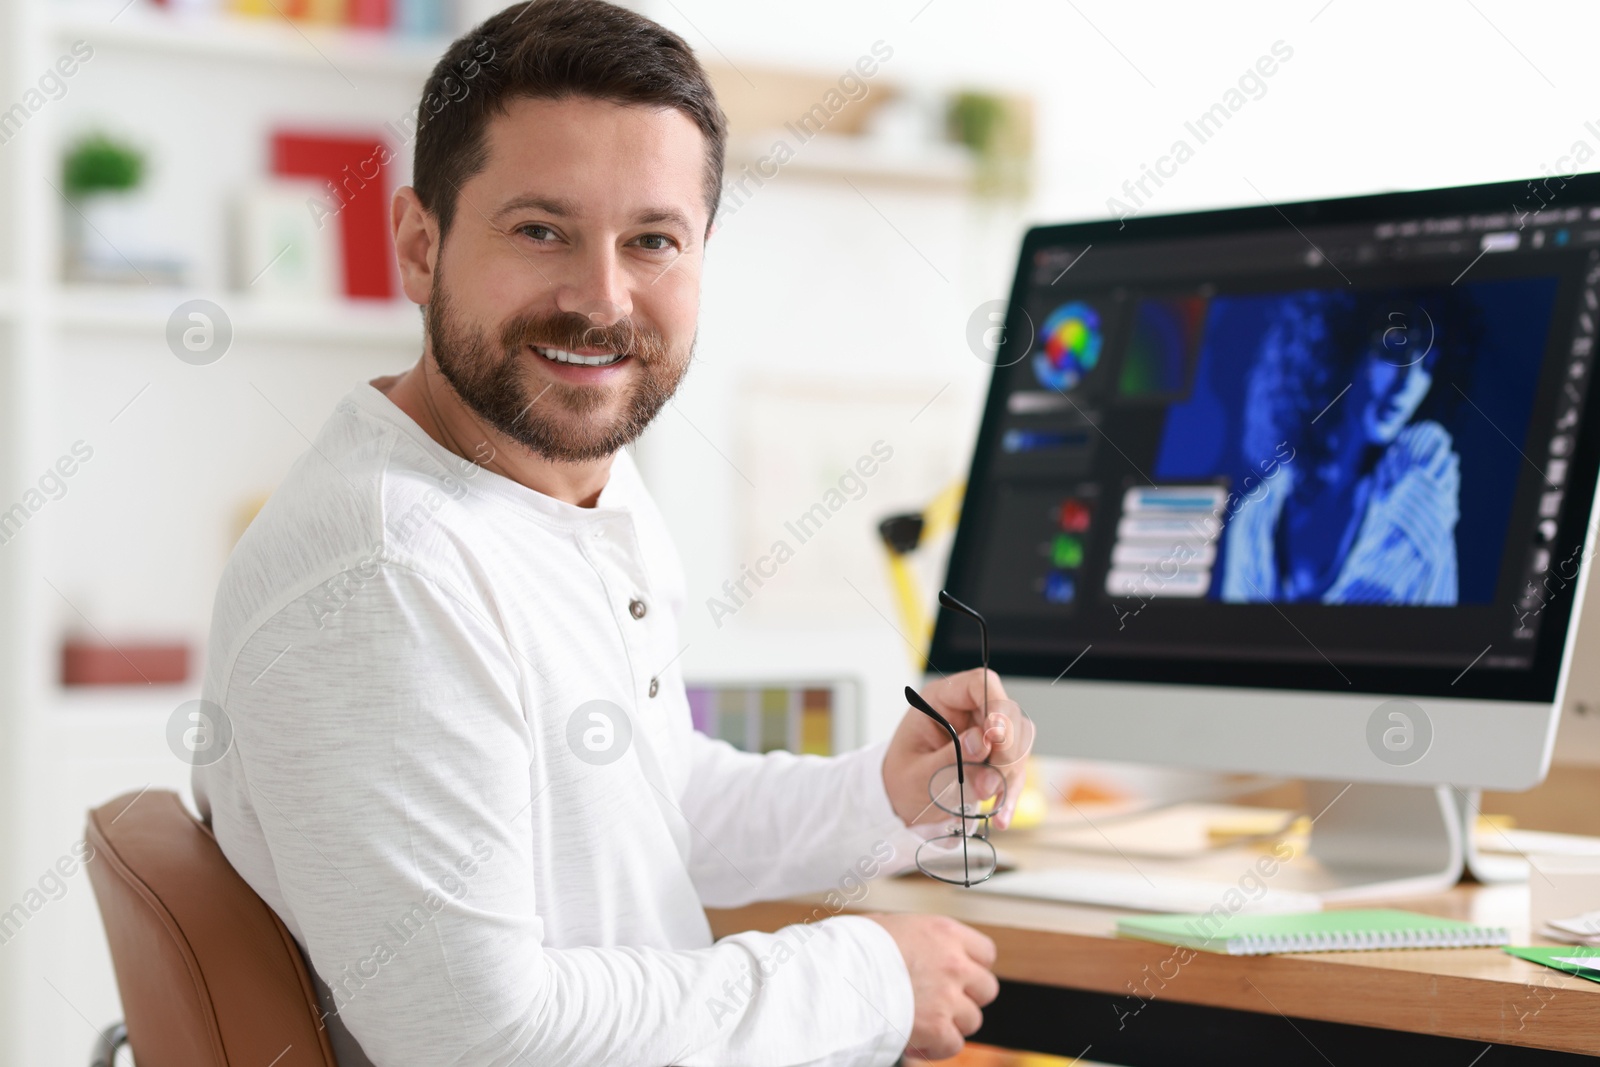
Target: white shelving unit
(143, 529)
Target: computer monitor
(1304, 489)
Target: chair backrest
(209, 976)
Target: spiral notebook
(1323, 931)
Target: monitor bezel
(1536, 684)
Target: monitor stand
(1488, 868)
(1371, 841)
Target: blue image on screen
(1365, 436)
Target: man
(1365, 507)
(462, 768)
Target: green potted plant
(97, 165)
(98, 174)
(998, 131)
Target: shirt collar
(616, 497)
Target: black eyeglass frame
(982, 818)
(981, 832)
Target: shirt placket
(641, 621)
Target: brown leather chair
(209, 975)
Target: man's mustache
(572, 331)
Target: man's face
(1393, 394)
(564, 297)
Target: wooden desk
(1069, 982)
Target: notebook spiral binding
(1358, 941)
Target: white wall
(1375, 97)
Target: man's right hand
(951, 980)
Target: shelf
(387, 324)
(149, 701)
(844, 157)
(269, 41)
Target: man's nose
(597, 290)
(1409, 379)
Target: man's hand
(920, 747)
(950, 980)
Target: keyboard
(1131, 891)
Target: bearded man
(462, 768)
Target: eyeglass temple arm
(916, 701)
(983, 627)
(983, 632)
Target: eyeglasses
(965, 856)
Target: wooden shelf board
(848, 157)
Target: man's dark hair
(553, 50)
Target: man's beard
(556, 420)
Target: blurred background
(232, 153)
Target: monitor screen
(1341, 446)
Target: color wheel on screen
(1070, 346)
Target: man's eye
(655, 242)
(536, 231)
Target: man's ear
(416, 244)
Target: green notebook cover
(1560, 957)
(1320, 931)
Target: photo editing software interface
(1349, 453)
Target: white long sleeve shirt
(462, 771)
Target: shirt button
(636, 608)
(655, 686)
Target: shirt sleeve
(380, 743)
(779, 825)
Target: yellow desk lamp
(901, 535)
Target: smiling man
(462, 767)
